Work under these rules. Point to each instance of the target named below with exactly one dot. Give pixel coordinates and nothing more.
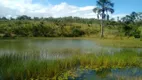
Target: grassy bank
(20, 68)
(124, 42)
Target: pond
(53, 44)
(53, 51)
(55, 48)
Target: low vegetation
(20, 68)
(23, 26)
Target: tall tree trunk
(102, 26)
(102, 29)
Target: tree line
(25, 26)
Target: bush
(7, 34)
(76, 32)
(137, 34)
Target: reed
(16, 68)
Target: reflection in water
(110, 74)
(53, 44)
(47, 48)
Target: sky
(62, 8)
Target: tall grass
(14, 67)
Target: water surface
(109, 74)
(55, 48)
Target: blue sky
(62, 8)
(121, 6)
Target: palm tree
(103, 8)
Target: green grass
(124, 42)
(17, 68)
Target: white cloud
(27, 7)
(119, 15)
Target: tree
(3, 18)
(23, 17)
(36, 18)
(133, 16)
(104, 7)
(131, 24)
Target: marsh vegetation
(50, 62)
(33, 48)
(28, 67)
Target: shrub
(137, 34)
